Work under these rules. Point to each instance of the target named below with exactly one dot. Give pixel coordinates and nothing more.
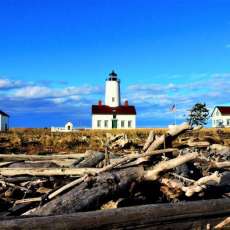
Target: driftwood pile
(64, 184)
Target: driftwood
(122, 178)
(223, 224)
(182, 215)
(172, 132)
(92, 158)
(199, 185)
(154, 173)
(91, 194)
(47, 171)
(20, 157)
(149, 140)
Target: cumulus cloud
(153, 101)
(9, 84)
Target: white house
(67, 128)
(221, 116)
(4, 121)
(113, 115)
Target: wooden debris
(47, 171)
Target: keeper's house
(221, 116)
(4, 121)
(113, 115)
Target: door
(114, 123)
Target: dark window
(99, 123)
(129, 124)
(106, 123)
(122, 124)
(113, 99)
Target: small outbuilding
(221, 116)
(4, 121)
(67, 128)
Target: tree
(198, 115)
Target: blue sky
(56, 54)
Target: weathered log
(105, 169)
(173, 131)
(223, 224)
(149, 140)
(19, 157)
(182, 215)
(91, 194)
(47, 171)
(154, 173)
(33, 164)
(199, 185)
(92, 158)
(199, 144)
(220, 165)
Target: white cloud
(228, 46)
(9, 84)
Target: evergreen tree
(198, 114)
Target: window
(113, 99)
(99, 123)
(129, 124)
(106, 123)
(114, 116)
(228, 121)
(217, 113)
(219, 123)
(122, 124)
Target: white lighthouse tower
(112, 90)
(113, 115)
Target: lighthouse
(112, 90)
(113, 114)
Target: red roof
(122, 110)
(4, 114)
(225, 110)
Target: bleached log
(199, 144)
(91, 159)
(223, 224)
(28, 200)
(149, 140)
(156, 143)
(20, 157)
(154, 173)
(220, 165)
(199, 185)
(47, 171)
(173, 131)
(177, 129)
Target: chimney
(126, 103)
(99, 103)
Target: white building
(67, 128)
(221, 116)
(113, 114)
(4, 121)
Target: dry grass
(40, 141)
